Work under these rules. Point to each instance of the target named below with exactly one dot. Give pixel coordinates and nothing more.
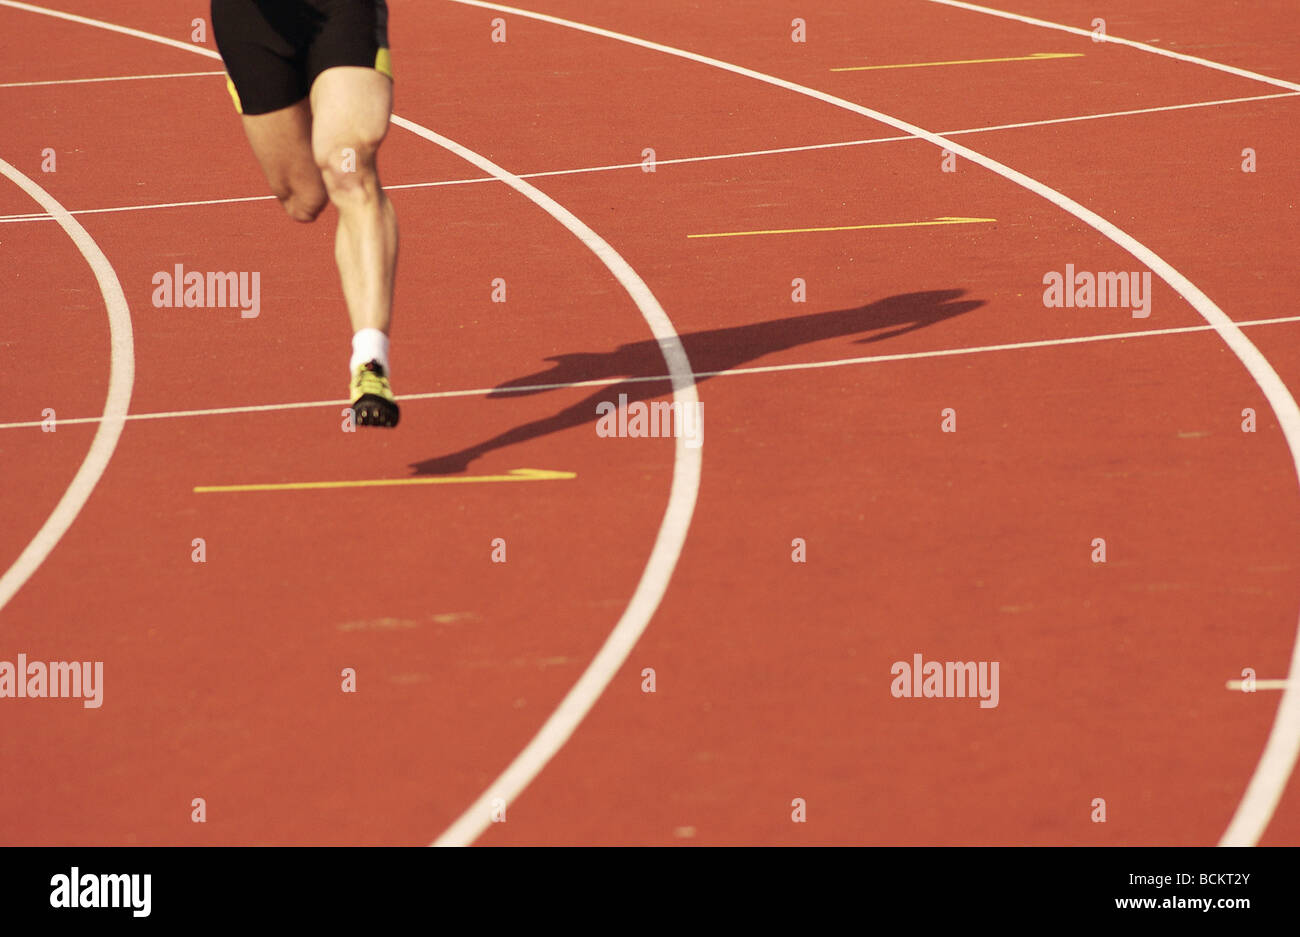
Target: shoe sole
(370, 410)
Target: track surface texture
(906, 449)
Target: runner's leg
(281, 142)
(350, 112)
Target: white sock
(369, 345)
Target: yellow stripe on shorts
(230, 86)
(384, 62)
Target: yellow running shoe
(373, 403)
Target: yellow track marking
(515, 475)
(854, 227)
(1036, 57)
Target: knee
(349, 171)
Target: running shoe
(373, 403)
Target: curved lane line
(1116, 40)
(121, 378)
(1264, 791)
(672, 529)
(668, 543)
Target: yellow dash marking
(1260, 684)
(854, 227)
(1036, 57)
(515, 475)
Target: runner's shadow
(709, 351)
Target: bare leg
(350, 112)
(281, 142)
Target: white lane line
(776, 151)
(1283, 747)
(1282, 750)
(668, 542)
(112, 27)
(37, 216)
(121, 377)
(1129, 113)
(213, 411)
(91, 81)
(673, 528)
(1116, 40)
(667, 379)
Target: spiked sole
(372, 410)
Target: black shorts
(274, 49)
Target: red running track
(222, 679)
